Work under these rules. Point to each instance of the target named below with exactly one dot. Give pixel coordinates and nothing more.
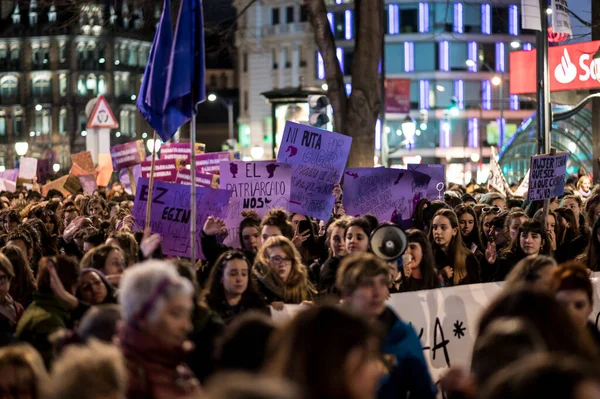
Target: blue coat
(407, 368)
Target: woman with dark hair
(10, 310)
(357, 234)
(419, 220)
(108, 259)
(305, 237)
(47, 243)
(570, 245)
(469, 228)
(95, 289)
(330, 353)
(22, 239)
(335, 241)
(531, 240)
(553, 228)
(23, 284)
(456, 263)
(276, 223)
(47, 314)
(591, 256)
(423, 275)
(127, 242)
(230, 291)
(533, 271)
(592, 210)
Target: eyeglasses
(491, 209)
(279, 260)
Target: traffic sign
(102, 116)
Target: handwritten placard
(58, 184)
(180, 150)
(257, 186)
(184, 176)
(88, 184)
(209, 163)
(437, 184)
(547, 176)
(171, 210)
(389, 194)
(84, 163)
(164, 169)
(497, 181)
(318, 158)
(8, 185)
(27, 168)
(10, 174)
(128, 154)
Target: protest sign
(437, 184)
(105, 170)
(318, 158)
(27, 168)
(57, 184)
(524, 187)
(184, 176)
(128, 154)
(88, 184)
(209, 163)
(83, 164)
(497, 181)
(180, 150)
(171, 210)
(73, 185)
(164, 169)
(43, 169)
(445, 319)
(547, 176)
(125, 177)
(257, 186)
(8, 185)
(10, 174)
(390, 194)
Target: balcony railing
(10, 65)
(286, 29)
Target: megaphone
(388, 242)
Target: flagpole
(193, 190)
(151, 183)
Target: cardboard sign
(180, 150)
(88, 184)
(128, 154)
(318, 158)
(73, 185)
(391, 195)
(105, 170)
(57, 184)
(164, 169)
(184, 176)
(171, 209)
(85, 163)
(437, 184)
(547, 176)
(497, 180)
(209, 163)
(257, 186)
(27, 168)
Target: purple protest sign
(437, 184)
(164, 170)
(257, 186)
(128, 154)
(184, 176)
(88, 183)
(136, 171)
(10, 174)
(209, 163)
(318, 158)
(180, 151)
(388, 194)
(171, 209)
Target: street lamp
(496, 81)
(229, 105)
(21, 148)
(257, 152)
(153, 145)
(56, 167)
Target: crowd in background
(91, 308)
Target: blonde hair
(356, 268)
(27, 368)
(297, 286)
(95, 370)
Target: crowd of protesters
(91, 308)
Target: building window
(500, 20)
(3, 126)
(426, 52)
(62, 53)
(132, 125)
(18, 126)
(458, 56)
(9, 86)
(303, 14)
(3, 54)
(132, 59)
(223, 80)
(274, 58)
(62, 122)
(409, 18)
(275, 16)
(91, 85)
(289, 15)
(42, 122)
(40, 86)
(301, 56)
(52, 13)
(117, 89)
(471, 18)
(245, 101)
(101, 85)
(81, 88)
(82, 122)
(245, 62)
(443, 17)
(62, 84)
(124, 121)
(286, 57)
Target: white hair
(140, 283)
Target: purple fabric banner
(180, 151)
(164, 170)
(318, 158)
(171, 209)
(184, 176)
(209, 163)
(128, 154)
(257, 186)
(437, 184)
(389, 194)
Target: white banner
(497, 180)
(530, 15)
(524, 187)
(561, 22)
(445, 319)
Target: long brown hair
(457, 251)
(297, 287)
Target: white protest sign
(547, 178)
(524, 187)
(28, 168)
(445, 319)
(561, 22)
(496, 179)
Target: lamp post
(499, 82)
(21, 148)
(229, 106)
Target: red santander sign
(571, 67)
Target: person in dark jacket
(230, 289)
(363, 282)
(324, 275)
